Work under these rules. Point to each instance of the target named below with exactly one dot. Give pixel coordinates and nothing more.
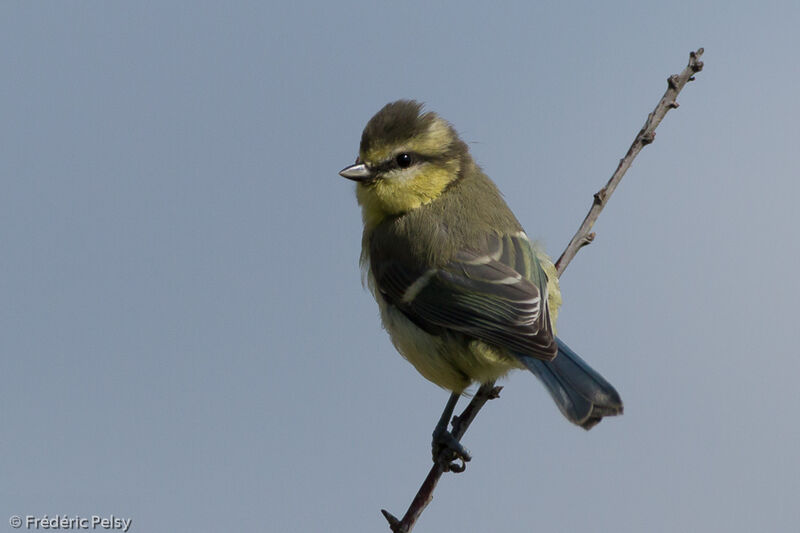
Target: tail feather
(582, 395)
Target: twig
(645, 136)
(488, 391)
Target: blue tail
(582, 395)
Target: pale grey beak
(357, 172)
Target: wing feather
(497, 295)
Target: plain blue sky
(184, 339)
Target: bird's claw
(448, 452)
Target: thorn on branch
(394, 523)
(600, 196)
(674, 105)
(495, 392)
(694, 64)
(672, 81)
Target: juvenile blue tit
(464, 294)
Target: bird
(464, 294)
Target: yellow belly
(451, 360)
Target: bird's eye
(403, 160)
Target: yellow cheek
(371, 210)
(399, 196)
(395, 196)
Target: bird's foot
(448, 452)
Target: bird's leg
(445, 447)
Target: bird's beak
(357, 172)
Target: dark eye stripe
(416, 158)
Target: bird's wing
(497, 295)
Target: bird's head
(407, 159)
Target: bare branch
(646, 135)
(584, 236)
(486, 392)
